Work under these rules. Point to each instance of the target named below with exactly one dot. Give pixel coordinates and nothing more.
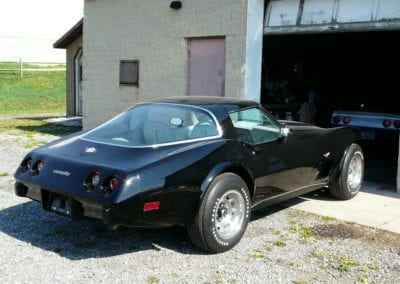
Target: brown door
(206, 67)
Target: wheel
(223, 214)
(347, 182)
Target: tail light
(111, 184)
(40, 165)
(92, 181)
(114, 183)
(346, 119)
(387, 123)
(26, 164)
(396, 124)
(336, 119)
(150, 206)
(37, 168)
(95, 178)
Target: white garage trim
(254, 46)
(316, 16)
(335, 28)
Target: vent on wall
(129, 72)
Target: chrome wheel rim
(355, 173)
(229, 215)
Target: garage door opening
(355, 71)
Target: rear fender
(223, 168)
(337, 169)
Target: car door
(279, 164)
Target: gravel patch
(281, 245)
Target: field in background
(17, 65)
(35, 92)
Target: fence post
(20, 68)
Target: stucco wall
(156, 35)
(71, 53)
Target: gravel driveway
(281, 245)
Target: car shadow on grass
(89, 238)
(51, 125)
(51, 129)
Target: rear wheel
(223, 215)
(347, 182)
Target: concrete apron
(376, 205)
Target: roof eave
(70, 36)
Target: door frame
(78, 82)
(189, 40)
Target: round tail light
(114, 183)
(337, 119)
(111, 184)
(26, 164)
(92, 181)
(95, 178)
(40, 165)
(396, 123)
(387, 123)
(346, 119)
(37, 168)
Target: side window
(254, 126)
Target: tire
(346, 183)
(223, 214)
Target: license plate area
(61, 205)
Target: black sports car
(200, 162)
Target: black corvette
(204, 163)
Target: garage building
(336, 54)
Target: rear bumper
(174, 210)
(366, 120)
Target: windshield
(155, 124)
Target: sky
(48, 19)
(28, 28)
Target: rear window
(156, 124)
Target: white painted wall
(154, 34)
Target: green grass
(16, 65)
(36, 92)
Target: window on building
(129, 72)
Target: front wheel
(223, 214)
(347, 182)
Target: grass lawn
(36, 92)
(16, 65)
(27, 126)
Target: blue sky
(48, 19)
